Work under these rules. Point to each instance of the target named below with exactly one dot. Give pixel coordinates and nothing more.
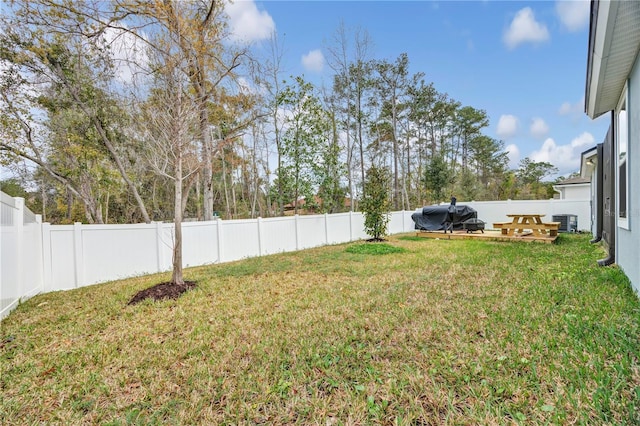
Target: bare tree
(197, 31)
(169, 124)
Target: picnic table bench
(526, 224)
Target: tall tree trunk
(233, 195)
(207, 158)
(267, 173)
(69, 205)
(396, 181)
(254, 173)
(43, 193)
(224, 182)
(106, 208)
(177, 277)
(198, 205)
(360, 143)
(280, 172)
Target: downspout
(611, 200)
(599, 197)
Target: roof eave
(590, 54)
(600, 35)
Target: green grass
(374, 249)
(444, 332)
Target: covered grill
(443, 218)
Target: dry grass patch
(443, 332)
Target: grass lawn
(430, 332)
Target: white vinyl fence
(496, 211)
(21, 267)
(39, 257)
(78, 255)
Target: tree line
(198, 126)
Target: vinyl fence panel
(311, 231)
(357, 227)
(400, 222)
(125, 251)
(277, 235)
(10, 272)
(338, 228)
(199, 243)
(21, 267)
(239, 239)
(62, 258)
(32, 260)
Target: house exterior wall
(613, 69)
(574, 192)
(593, 199)
(628, 240)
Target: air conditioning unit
(568, 222)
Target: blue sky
(524, 63)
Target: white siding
(628, 240)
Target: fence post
(351, 225)
(219, 242)
(46, 258)
(18, 223)
(297, 231)
(78, 255)
(326, 229)
(259, 222)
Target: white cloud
(524, 28)
(573, 111)
(313, 61)
(565, 157)
(568, 108)
(539, 128)
(247, 23)
(507, 126)
(574, 14)
(513, 153)
(565, 108)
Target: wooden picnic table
(527, 223)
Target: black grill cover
(434, 218)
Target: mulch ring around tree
(376, 240)
(162, 291)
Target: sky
(524, 63)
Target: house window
(622, 144)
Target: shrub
(375, 202)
